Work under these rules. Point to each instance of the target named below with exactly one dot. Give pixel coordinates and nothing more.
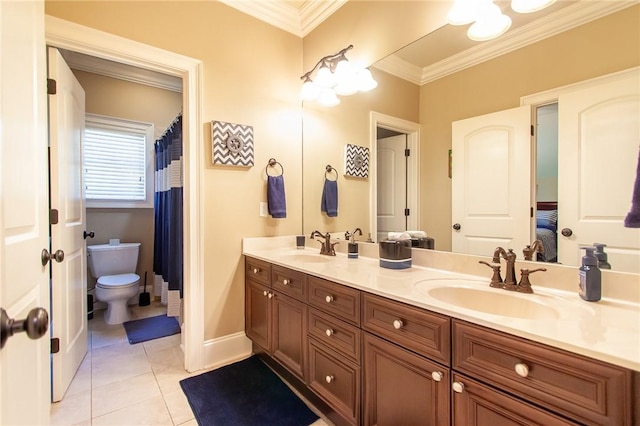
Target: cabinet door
(289, 333)
(402, 388)
(475, 404)
(257, 313)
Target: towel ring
(272, 163)
(328, 170)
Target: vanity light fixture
(335, 76)
(488, 20)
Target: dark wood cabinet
(401, 387)
(257, 314)
(476, 404)
(289, 342)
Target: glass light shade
(465, 12)
(325, 78)
(346, 87)
(343, 70)
(489, 26)
(328, 98)
(365, 80)
(528, 6)
(309, 91)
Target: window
(117, 162)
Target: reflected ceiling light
(335, 76)
(488, 20)
(528, 6)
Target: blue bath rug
(246, 393)
(151, 328)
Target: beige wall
(601, 47)
(131, 101)
(328, 130)
(251, 76)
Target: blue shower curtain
(168, 247)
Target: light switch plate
(264, 210)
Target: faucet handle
(524, 286)
(496, 279)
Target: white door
(69, 277)
(491, 182)
(599, 135)
(392, 185)
(25, 390)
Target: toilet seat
(118, 281)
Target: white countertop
(608, 330)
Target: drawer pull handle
(264, 293)
(329, 299)
(397, 324)
(285, 281)
(522, 370)
(270, 295)
(457, 387)
(329, 379)
(436, 376)
(329, 332)
(256, 270)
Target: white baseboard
(226, 350)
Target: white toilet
(114, 266)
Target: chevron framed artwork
(232, 144)
(356, 161)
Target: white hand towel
(398, 236)
(417, 234)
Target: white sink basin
(478, 296)
(306, 257)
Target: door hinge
(406, 212)
(532, 132)
(55, 345)
(53, 216)
(51, 86)
(531, 212)
(407, 152)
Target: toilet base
(117, 313)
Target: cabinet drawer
(336, 380)
(589, 391)
(423, 332)
(338, 335)
(336, 299)
(289, 282)
(258, 270)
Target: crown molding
(562, 20)
(297, 21)
(397, 66)
(121, 71)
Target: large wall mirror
(444, 78)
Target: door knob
(35, 324)
(567, 232)
(457, 226)
(89, 234)
(45, 256)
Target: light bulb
(328, 98)
(325, 78)
(365, 80)
(528, 6)
(309, 91)
(490, 24)
(465, 11)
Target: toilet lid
(121, 280)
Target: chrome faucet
(534, 247)
(510, 257)
(327, 247)
(348, 235)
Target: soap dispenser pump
(590, 277)
(601, 256)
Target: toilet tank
(105, 259)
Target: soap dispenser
(352, 252)
(601, 256)
(590, 277)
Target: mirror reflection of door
(391, 182)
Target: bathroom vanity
(369, 347)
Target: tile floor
(122, 384)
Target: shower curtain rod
(168, 129)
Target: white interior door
(491, 182)
(392, 185)
(69, 277)
(599, 134)
(24, 227)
